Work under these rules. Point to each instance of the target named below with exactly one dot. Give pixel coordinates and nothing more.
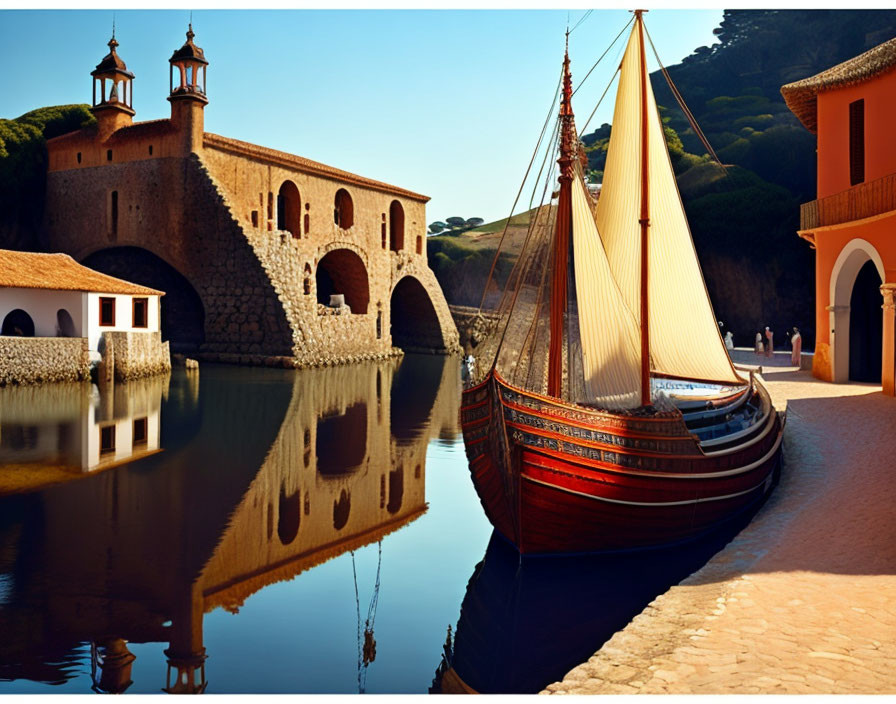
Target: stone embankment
(137, 354)
(36, 360)
(804, 599)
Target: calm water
(312, 531)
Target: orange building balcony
(861, 201)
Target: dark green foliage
(23, 168)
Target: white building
(51, 295)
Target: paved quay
(803, 600)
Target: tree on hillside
(454, 225)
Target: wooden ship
(609, 415)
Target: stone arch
(851, 260)
(413, 394)
(17, 323)
(65, 325)
(289, 516)
(343, 271)
(289, 209)
(182, 310)
(415, 323)
(342, 441)
(396, 226)
(343, 209)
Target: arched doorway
(396, 226)
(415, 324)
(65, 326)
(343, 271)
(865, 326)
(856, 256)
(289, 209)
(17, 323)
(182, 312)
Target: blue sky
(446, 103)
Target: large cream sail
(609, 333)
(684, 335)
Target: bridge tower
(188, 98)
(112, 93)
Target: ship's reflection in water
(525, 624)
(264, 474)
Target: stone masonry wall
(291, 260)
(171, 209)
(137, 354)
(35, 360)
(257, 285)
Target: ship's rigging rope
(499, 249)
(367, 646)
(544, 128)
(603, 95)
(601, 57)
(581, 19)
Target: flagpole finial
(113, 25)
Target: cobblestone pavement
(804, 599)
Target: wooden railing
(861, 201)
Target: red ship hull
(557, 478)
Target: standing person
(758, 348)
(770, 336)
(797, 343)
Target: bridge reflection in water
(259, 481)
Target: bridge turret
(112, 92)
(188, 99)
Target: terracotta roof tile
(302, 164)
(60, 272)
(802, 96)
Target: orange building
(852, 224)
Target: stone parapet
(37, 360)
(137, 354)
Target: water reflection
(265, 474)
(78, 428)
(525, 623)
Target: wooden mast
(644, 221)
(568, 149)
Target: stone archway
(415, 324)
(845, 275)
(182, 311)
(342, 271)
